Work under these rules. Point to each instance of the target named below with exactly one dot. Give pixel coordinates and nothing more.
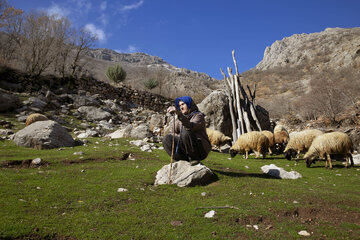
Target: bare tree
(82, 41)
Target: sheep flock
(313, 143)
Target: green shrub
(150, 83)
(116, 73)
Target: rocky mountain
(335, 48)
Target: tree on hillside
(116, 73)
(9, 17)
(151, 83)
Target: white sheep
(271, 138)
(35, 117)
(300, 142)
(254, 141)
(330, 143)
(217, 138)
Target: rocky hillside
(333, 48)
(173, 81)
(303, 72)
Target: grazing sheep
(254, 141)
(270, 136)
(279, 128)
(34, 118)
(330, 143)
(217, 138)
(300, 142)
(281, 139)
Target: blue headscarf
(189, 103)
(186, 99)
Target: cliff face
(333, 48)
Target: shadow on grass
(243, 174)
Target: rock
(278, 172)
(121, 133)
(217, 114)
(80, 100)
(94, 114)
(304, 233)
(140, 132)
(78, 153)
(122, 190)
(88, 133)
(185, 175)
(106, 125)
(8, 101)
(210, 214)
(356, 159)
(35, 103)
(146, 148)
(137, 143)
(156, 121)
(36, 161)
(44, 135)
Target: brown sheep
(254, 141)
(35, 117)
(217, 138)
(281, 139)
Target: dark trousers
(189, 147)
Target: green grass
(75, 197)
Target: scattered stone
(268, 227)
(356, 159)
(88, 133)
(78, 153)
(203, 194)
(146, 148)
(278, 172)
(122, 190)
(210, 214)
(82, 170)
(304, 233)
(256, 227)
(36, 161)
(137, 143)
(295, 202)
(176, 223)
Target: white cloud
(83, 5)
(103, 6)
(97, 32)
(132, 6)
(104, 19)
(56, 10)
(130, 49)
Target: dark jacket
(196, 124)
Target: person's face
(183, 107)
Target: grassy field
(75, 197)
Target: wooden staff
(172, 149)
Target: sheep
(279, 128)
(300, 142)
(281, 139)
(34, 118)
(270, 136)
(255, 141)
(330, 143)
(217, 138)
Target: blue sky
(200, 34)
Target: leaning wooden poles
(242, 107)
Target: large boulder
(8, 101)
(94, 114)
(35, 102)
(44, 135)
(140, 132)
(185, 175)
(217, 114)
(121, 133)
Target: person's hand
(171, 109)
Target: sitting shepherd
(191, 142)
